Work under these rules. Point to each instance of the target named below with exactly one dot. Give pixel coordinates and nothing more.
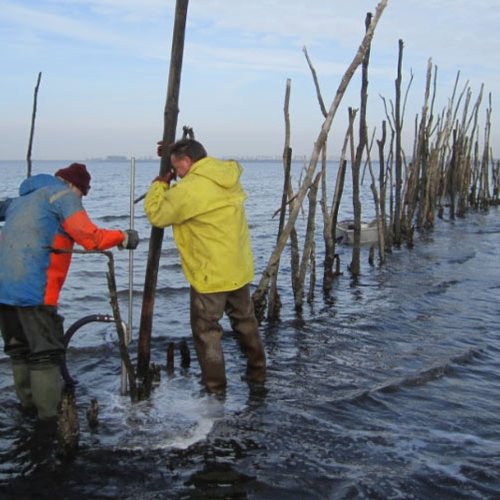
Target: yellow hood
(224, 173)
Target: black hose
(103, 318)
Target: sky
(105, 66)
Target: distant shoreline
(124, 159)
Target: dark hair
(188, 147)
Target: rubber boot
(241, 314)
(256, 359)
(252, 348)
(211, 360)
(46, 386)
(22, 384)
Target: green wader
(34, 340)
(22, 383)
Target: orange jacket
(46, 214)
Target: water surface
(387, 388)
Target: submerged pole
(169, 128)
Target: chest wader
(206, 311)
(33, 339)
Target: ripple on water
(386, 388)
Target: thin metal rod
(128, 336)
(131, 252)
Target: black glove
(130, 241)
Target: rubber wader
(22, 383)
(46, 386)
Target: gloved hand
(160, 148)
(166, 178)
(130, 241)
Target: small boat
(345, 232)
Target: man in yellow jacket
(206, 212)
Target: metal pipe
(131, 252)
(104, 318)
(128, 330)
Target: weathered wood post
(330, 225)
(328, 222)
(380, 215)
(32, 130)
(485, 185)
(169, 129)
(274, 303)
(382, 185)
(399, 158)
(308, 251)
(355, 263)
(421, 165)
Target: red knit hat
(77, 174)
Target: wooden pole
(274, 304)
(378, 207)
(423, 167)
(122, 341)
(308, 244)
(169, 129)
(355, 263)
(329, 230)
(399, 168)
(32, 131)
(382, 184)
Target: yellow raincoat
(206, 212)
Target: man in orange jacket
(47, 214)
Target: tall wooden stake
(32, 131)
(274, 304)
(169, 128)
(399, 160)
(355, 263)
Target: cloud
(43, 23)
(128, 11)
(110, 57)
(234, 32)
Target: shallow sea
(388, 388)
